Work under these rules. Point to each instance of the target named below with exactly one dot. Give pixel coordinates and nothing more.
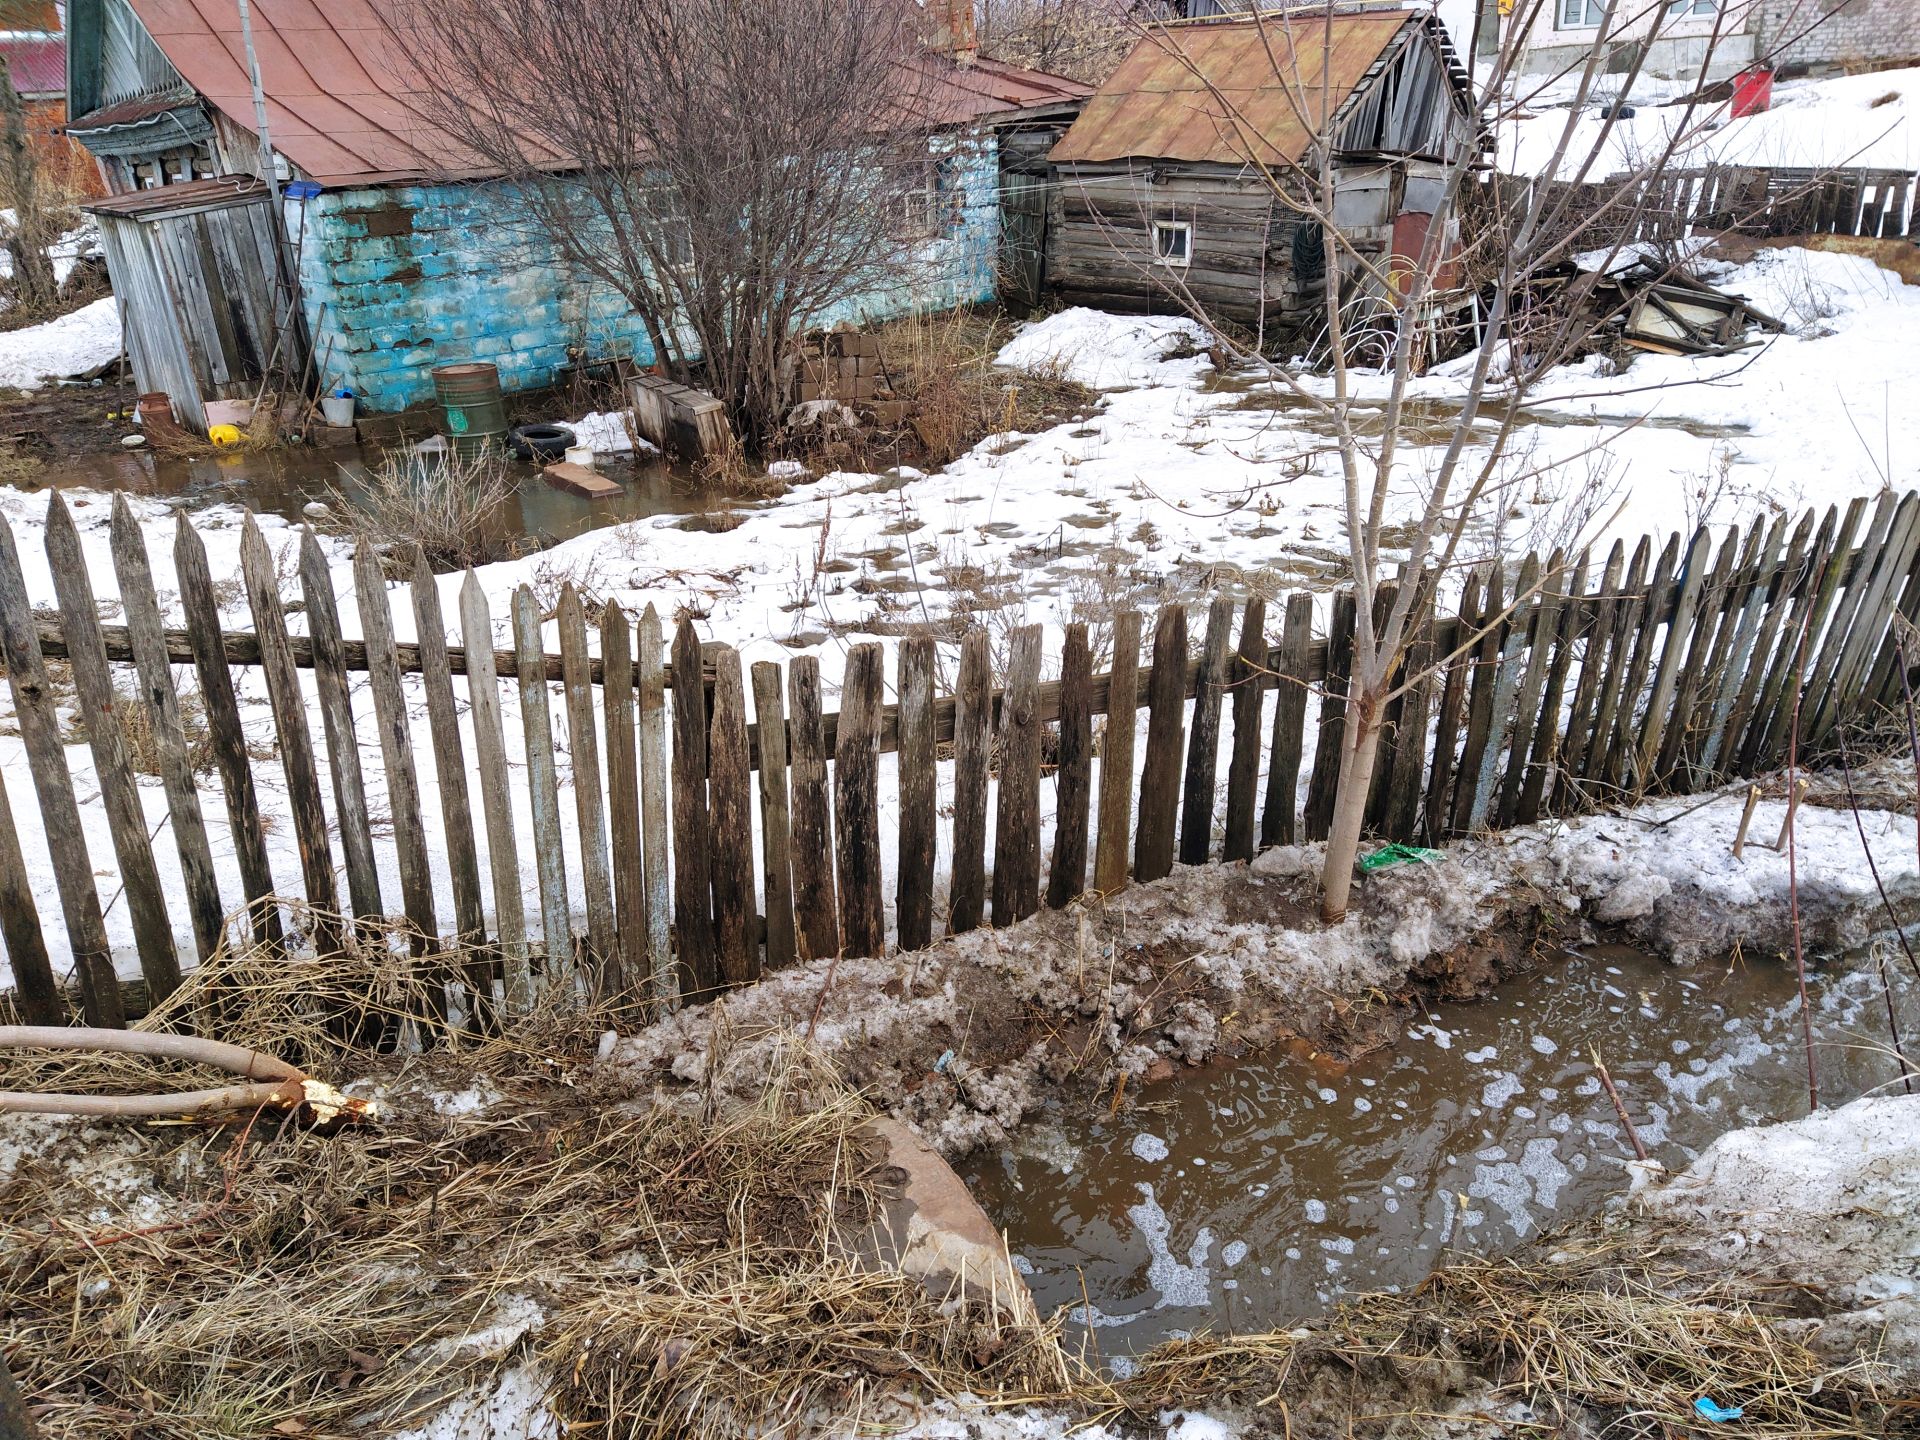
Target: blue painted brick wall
(402, 278)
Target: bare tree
(34, 226)
(1375, 315)
(732, 171)
(1082, 39)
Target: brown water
(285, 481)
(1260, 1191)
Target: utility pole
(286, 266)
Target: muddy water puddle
(1251, 1194)
(285, 481)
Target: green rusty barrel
(469, 395)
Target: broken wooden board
(579, 480)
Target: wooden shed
(193, 266)
(1174, 182)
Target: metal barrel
(469, 396)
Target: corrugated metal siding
(154, 341)
(1407, 105)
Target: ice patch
(1178, 1283)
(1316, 1212)
(1149, 1147)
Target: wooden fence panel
(1073, 774)
(623, 805)
(1483, 678)
(1203, 746)
(1282, 801)
(450, 771)
(1116, 756)
(1541, 757)
(1016, 844)
(1756, 610)
(543, 788)
(1160, 778)
(919, 793)
(972, 734)
(776, 825)
(1542, 631)
(816, 913)
(657, 976)
(589, 793)
(337, 723)
(856, 803)
(1593, 634)
(1669, 711)
(1624, 746)
(1506, 678)
(1243, 766)
(1318, 818)
(730, 796)
(141, 605)
(496, 796)
(698, 957)
(36, 994)
(1801, 647)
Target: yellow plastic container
(224, 435)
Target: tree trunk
(1360, 748)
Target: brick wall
(402, 278)
(1853, 32)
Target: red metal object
(1752, 91)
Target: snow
(1844, 121)
(607, 433)
(515, 1409)
(1107, 352)
(62, 346)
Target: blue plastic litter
(1708, 1409)
(946, 1058)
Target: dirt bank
(963, 1040)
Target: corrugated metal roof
(190, 195)
(37, 64)
(1213, 92)
(342, 84)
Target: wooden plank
(1282, 802)
(1773, 653)
(37, 715)
(1593, 635)
(1544, 754)
(1885, 684)
(1453, 708)
(856, 804)
(1243, 764)
(973, 721)
(654, 978)
(543, 790)
(589, 795)
(730, 798)
(396, 746)
(623, 804)
(1116, 756)
(343, 740)
(1506, 676)
(776, 846)
(1655, 604)
(1794, 661)
(1160, 776)
(913, 888)
(1409, 765)
(226, 737)
(1839, 685)
(450, 771)
(1543, 631)
(1739, 616)
(1325, 780)
(698, 964)
(1680, 626)
(1581, 783)
(815, 912)
(36, 995)
(1683, 730)
(1738, 675)
(1203, 746)
(141, 605)
(98, 704)
(496, 795)
(1016, 841)
(1073, 776)
(1494, 621)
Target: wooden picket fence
(1553, 686)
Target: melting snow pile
(70, 343)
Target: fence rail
(1550, 687)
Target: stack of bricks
(844, 365)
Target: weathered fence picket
(1545, 690)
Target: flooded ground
(1262, 1191)
(286, 480)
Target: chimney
(951, 30)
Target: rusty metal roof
(37, 63)
(342, 83)
(221, 190)
(1226, 92)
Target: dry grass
(180, 443)
(450, 507)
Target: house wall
(402, 278)
(1853, 32)
(1677, 46)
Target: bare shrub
(449, 508)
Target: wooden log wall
(733, 825)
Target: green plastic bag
(1397, 854)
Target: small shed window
(1172, 242)
(1582, 14)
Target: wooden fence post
(1243, 765)
(816, 914)
(337, 723)
(496, 795)
(913, 888)
(776, 824)
(589, 794)
(543, 789)
(1325, 780)
(1116, 756)
(1282, 803)
(657, 976)
(39, 721)
(1073, 776)
(98, 704)
(36, 993)
(730, 801)
(1160, 776)
(1203, 746)
(856, 803)
(623, 803)
(972, 733)
(692, 823)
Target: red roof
(340, 80)
(37, 63)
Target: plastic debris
(1708, 1409)
(1398, 854)
(946, 1059)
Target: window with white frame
(1583, 14)
(1172, 242)
(1681, 9)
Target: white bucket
(338, 409)
(581, 455)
